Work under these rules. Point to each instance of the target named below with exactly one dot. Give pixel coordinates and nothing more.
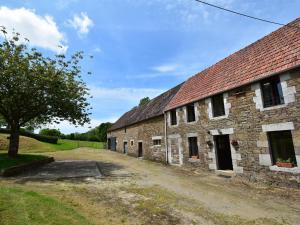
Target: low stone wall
(16, 170)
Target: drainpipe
(166, 138)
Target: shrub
(42, 138)
(50, 132)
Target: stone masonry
(144, 132)
(247, 122)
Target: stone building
(141, 131)
(242, 114)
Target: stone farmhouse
(240, 115)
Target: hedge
(42, 138)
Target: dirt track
(133, 191)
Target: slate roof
(150, 110)
(275, 53)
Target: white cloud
(191, 14)
(118, 100)
(62, 4)
(97, 50)
(130, 95)
(82, 23)
(42, 31)
(184, 68)
(166, 68)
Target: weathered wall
(143, 132)
(247, 122)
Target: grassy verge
(72, 144)
(30, 145)
(27, 207)
(6, 162)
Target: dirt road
(133, 191)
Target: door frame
(217, 151)
(142, 150)
(179, 148)
(125, 150)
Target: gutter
(232, 88)
(166, 138)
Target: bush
(42, 138)
(50, 132)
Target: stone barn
(141, 131)
(240, 116)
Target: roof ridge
(149, 110)
(288, 25)
(246, 61)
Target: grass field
(30, 145)
(21, 207)
(6, 162)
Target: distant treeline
(98, 133)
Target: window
(131, 142)
(173, 117)
(218, 105)
(193, 147)
(282, 147)
(157, 142)
(272, 92)
(125, 130)
(190, 113)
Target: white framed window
(156, 140)
(218, 106)
(273, 93)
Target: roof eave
(229, 89)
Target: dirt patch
(141, 192)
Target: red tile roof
(276, 52)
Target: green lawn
(71, 144)
(19, 207)
(6, 162)
(30, 145)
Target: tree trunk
(14, 140)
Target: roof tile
(274, 53)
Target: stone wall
(145, 132)
(247, 122)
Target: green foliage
(37, 89)
(30, 145)
(96, 134)
(50, 132)
(73, 144)
(144, 101)
(6, 162)
(2, 121)
(21, 207)
(103, 131)
(38, 137)
(289, 160)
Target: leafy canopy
(50, 132)
(36, 90)
(144, 101)
(39, 89)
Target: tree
(39, 89)
(50, 132)
(144, 101)
(2, 121)
(103, 131)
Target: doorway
(125, 147)
(223, 152)
(113, 143)
(140, 149)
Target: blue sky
(140, 47)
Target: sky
(140, 47)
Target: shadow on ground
(73, 171)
